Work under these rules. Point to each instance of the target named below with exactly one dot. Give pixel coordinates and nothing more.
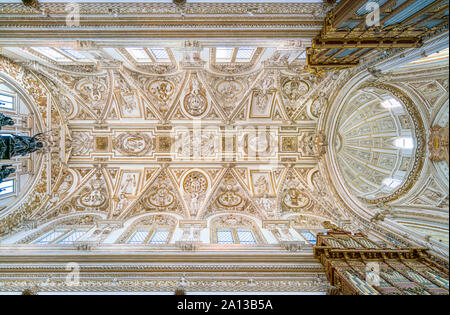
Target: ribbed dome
(375, 143)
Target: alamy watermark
(373, 273)
(373, 17)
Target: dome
(375, 143)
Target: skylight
(51, 53)
(391, 182)
(302, 56)
(79, 56)
(404, 143)
(391, 103)
(244, 54)
(139, 54)
(160, 54)
(224, 54)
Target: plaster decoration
(82, 143)
(94, 92)
(196, 144)
(438, 144)
(195, 102)
(127, 98)
(263, 96)
(430, 195)
(293, 89)
(94, 196)
(162, 91)
(292, 198)
(160, 196)
(318, 104)
(232, 68)
(66, 104)
(430, 90)
(228, 91)
(268, 205)
(262, 183)
(281, 230)
(259, 143)
(133, 144)
(66, 183)
(307, 222)
(229, 196)
(306, 143)
(195, 187)
(319, 285)
(128, 184)
(121, 204)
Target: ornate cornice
(112, 20)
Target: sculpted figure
(5, 121)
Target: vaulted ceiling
(140, 121)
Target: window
(391, 103)
(309, 237)
(391, 182)
(159, 237)
(7, 187)
(138, 237)
(224, 54)
(145, 236)
(160, 54)
(244, 54)
(246, 237)
(225, 237)
(6, 101)
(139, 54)
(302, 56)
(404, 143)
(235, 236)
(79, 56)
(51, 53)
(50, 237)
(71, 237)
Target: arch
(235, 221)
(75, 220)
(151, 220)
